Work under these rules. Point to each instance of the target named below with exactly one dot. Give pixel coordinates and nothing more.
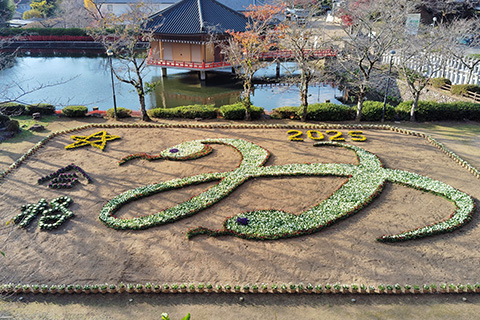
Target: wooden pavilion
(184, 32)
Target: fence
(440, 66)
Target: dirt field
(86, 251)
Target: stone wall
(399, 89)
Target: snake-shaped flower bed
(365, 181)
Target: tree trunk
(141, 98)
(247, 90)
(141, 93)
(360, 96)
(414, 106)
(304, 97)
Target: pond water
(86, 81)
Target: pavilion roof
(196, 17)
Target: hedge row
(435, 111)
(372, 111)
(236, 111)
(189, 112)
(230, 112)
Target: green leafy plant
(74, 111)
(121, 113)
(166, 317)
(462, 89)
(373, 111)
(439, 82)
(237, 112)
(42, 108)
(188, 112)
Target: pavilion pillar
(164, 72)
(203, 75)
(277, 73)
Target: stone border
(10, 288)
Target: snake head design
(185, 151)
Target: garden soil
(84, 250)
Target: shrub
(190, 112)
(8, 124)
(12, 109)
(164, 113)
(198, 111)
(237, 111)
(403, 110)
(328, 112)
(42, 108)
(462, 89)
(33, 13)
(75, 111)
(439, 82)
(121, 113)
(373, 110)
(434, 111)
(286, 113)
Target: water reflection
(86, 81)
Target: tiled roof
(196, 17)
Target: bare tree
(460, 38)
(301, 36)
(372, 28)
(418, 60)
(73, 13)
(125, 35)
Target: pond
(86, 81)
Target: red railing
(188, 65)
(277, 54)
